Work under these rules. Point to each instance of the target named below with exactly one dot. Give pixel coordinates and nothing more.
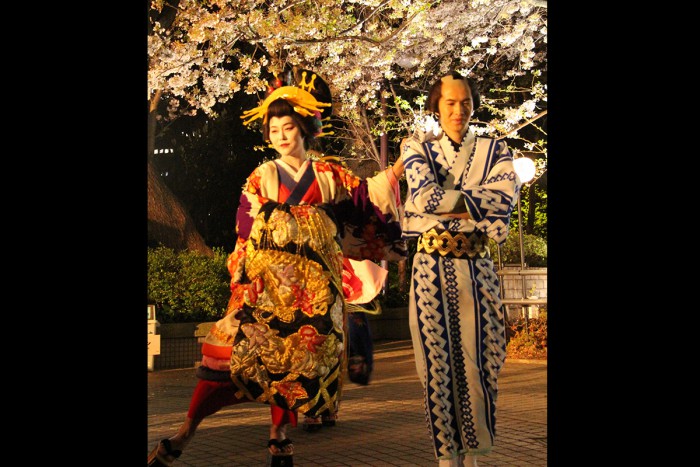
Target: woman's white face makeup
(286, 137)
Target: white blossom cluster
(215, 49)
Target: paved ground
(381, 424)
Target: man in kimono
(461, 192)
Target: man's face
(455, 107)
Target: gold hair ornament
(300, 97)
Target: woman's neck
(294, 160)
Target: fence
(523, 290)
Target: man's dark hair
(436, 92)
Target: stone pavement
(381, 424)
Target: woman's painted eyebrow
(284, 125)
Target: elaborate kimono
(455, 314)
(282, 339)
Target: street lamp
(525, 169)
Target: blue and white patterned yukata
(455, 314)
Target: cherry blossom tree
(378, 57)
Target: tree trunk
(169, 224)
(531, 202)
(402, 275)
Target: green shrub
(396, 293)
(394, 296)
(187, 286)
(535, 249)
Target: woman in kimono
(304, 226)
(461, 192)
